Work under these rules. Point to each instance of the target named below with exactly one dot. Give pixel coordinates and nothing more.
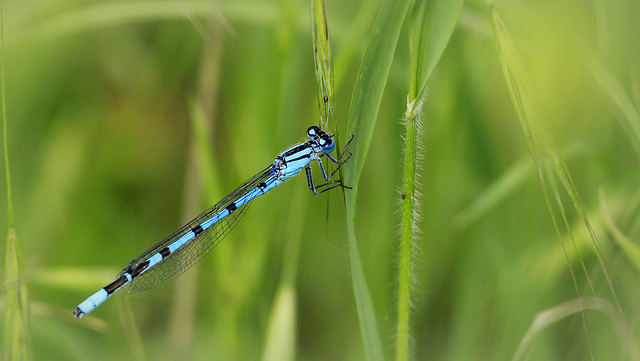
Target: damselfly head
(313, 132)
(323, 139)
(326, 143)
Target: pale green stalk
(430, 29)
(323, 63)
(407, 235)
(16, 322)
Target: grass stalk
(16, 322)
(323, 63)
(430, 28)
(325, 85)
(408, 229)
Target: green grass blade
(370, 83)
(619, 97)
(550, 317)
(365, 104)
(549, 165)
(504, 186)
(16, 318)
(105, 15)
(553, 173)
(630, 248)
(4, 121)
(16, 322)
(430, 28)
(364, 304)
(351, 41)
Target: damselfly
(181, 250)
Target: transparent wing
(191, 252)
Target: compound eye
(326, 142)
(327, 147)
(313, 131)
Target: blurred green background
(106, 103)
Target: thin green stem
(16, 318)
(4, 120)
(430, 27)
(406, 237)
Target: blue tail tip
(78, 313)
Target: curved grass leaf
(619, 97)
(553, 173)
(104, 15)
(502, 188)
(365, 104)
(430, 29)
(370, 83)
(550, 317)
(630, 248)
(351, 41)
